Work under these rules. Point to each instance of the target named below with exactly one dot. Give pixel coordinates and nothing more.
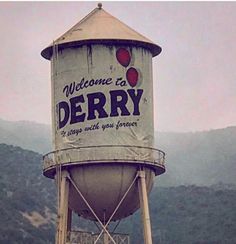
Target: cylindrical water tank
(102, 109)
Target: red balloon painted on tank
(132, 76)
(123, 56)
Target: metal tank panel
(103, 186)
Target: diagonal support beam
(90, 208)
(122, 199)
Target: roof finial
(99, 5)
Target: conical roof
(101, 27)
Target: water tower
(103, 161)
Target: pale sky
(194, 76)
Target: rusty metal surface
(101, 27)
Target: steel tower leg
(143, 197)
(69, 222)
(105, 238)
(64, 211)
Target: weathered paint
(94, 102)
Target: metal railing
(81, 237)
(104, 153)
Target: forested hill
(200, 158)
(182, 214)
(27, 198)
(25, 134)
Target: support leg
(106, 238)
(144, 207)
(69, 222)
(63, 209)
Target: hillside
(183, 214)
(200, 158)
(27, 199)
(190, 214)
(25, 134)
